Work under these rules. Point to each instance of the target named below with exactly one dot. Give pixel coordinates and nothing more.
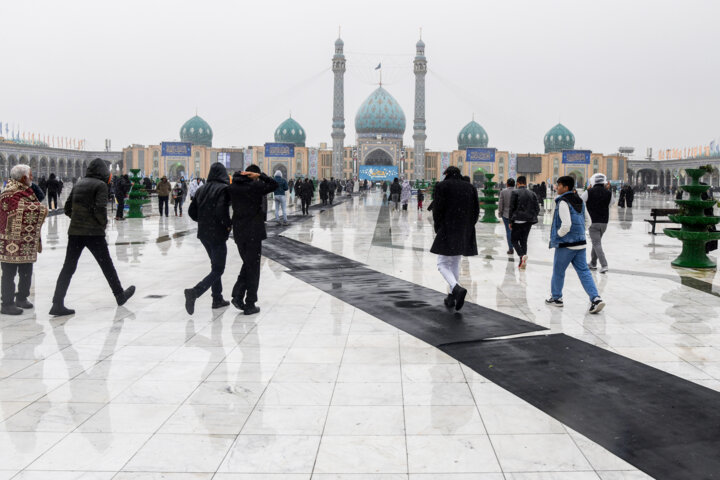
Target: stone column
(420, 68)
(338, 121)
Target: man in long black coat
(456, 210)
(247, 194)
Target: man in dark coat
(306, 195)
(324, 191)
(456, 209)
(87, 208)
(121, 190)
(395, 191)
(211, 209)
(53, 190)
(331, 191)
(247, 193)
(524, 210)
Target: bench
(661, 212)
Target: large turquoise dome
(472, 135)
(196, 131)
(290, 131)
(559, 138)
(380, 113)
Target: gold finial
(420, 33)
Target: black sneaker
(24, 304)
(238, 303)
(190, 300)
(220, 303)
(510, 252)
(11, 310)
(458, 294)
(449, 301)
(556, 302)
(60, 310)
(125, 295)
(251, 309)
(596, 305)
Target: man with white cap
(597, 199)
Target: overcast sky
(642, 73)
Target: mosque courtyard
(354, 370)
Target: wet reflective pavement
(318, 386)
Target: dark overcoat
(455, 211)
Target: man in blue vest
(567, 237)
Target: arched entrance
(53, 166)
(12, 161)
(43, 167)
(378, 157)
(176, 171)
(577, 175)
(61, 168)
(34, 167)
(478, 176)
(647, 176)
(23, 160)
(3, 168)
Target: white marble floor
(313, 387)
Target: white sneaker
(603, 269)
(523, 262)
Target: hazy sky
(642, 73)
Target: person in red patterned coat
(21, 219)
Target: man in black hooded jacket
(247, 193)
(210, 208)
(87, 208)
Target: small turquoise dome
(472, 135)
(290, 131)
(197, 131)
(559, 138)
(380, 113)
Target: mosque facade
(380, 127)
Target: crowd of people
(220, 206)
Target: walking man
(524, 209)
(597, 201)
(121, 190)
(395, 192)
(210, 208)
(280, 198)
(163, 192)
(247, 193)
(455, 211)
(567, 237)
(504, 211)
(331, 191)
(87, 208)
(21, 219)
(53, 190)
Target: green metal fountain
(694, 232)
(138, 195)
(489, 201)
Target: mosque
(380, 126)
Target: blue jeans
(280, 203)
(563, 258)
(508, 233)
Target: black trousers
(52, 200)
(8, 282)
(120, 208)
(218, 254)
(248, 281)
(163, 200)
(331, 196)
(178, 204)
(519, 236)
(99, 248)
(305, 203)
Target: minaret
(420, 68)
(338, 121)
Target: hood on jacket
(278, 173)
(52, 176)
(218, 173)
(98, 169)
(574, 200)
